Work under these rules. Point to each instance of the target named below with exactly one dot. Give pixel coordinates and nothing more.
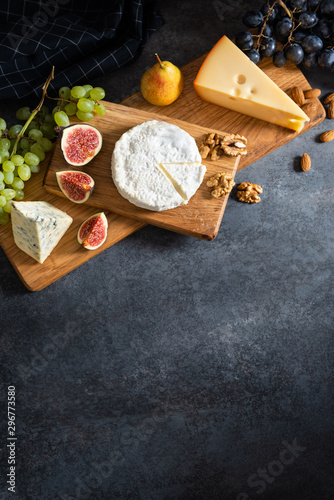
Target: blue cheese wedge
(38, 227)
(140, 166)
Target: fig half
(80, 143)
(93, 231)
(76, 186)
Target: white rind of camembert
(38, 227)
(157, 166)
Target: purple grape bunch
(300, 31)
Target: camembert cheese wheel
(157, 166)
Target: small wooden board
(68, 254)
(200, 218)
(263, 137)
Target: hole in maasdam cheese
(241, 79)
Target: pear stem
(156, 55)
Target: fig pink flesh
(76, 185)
(81, 144)
(93, 231)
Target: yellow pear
(162, 84)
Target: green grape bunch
(83, 101)
(24, 146)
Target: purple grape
(244, 40)
(312, 43)
(284, 27)
(322, 29)
(268, 47)
(273, 13)
(279, 58)
(308, 19)
(298, 4)
(326, 59)
(253, 19)
(294, 53)
(253, 55)
(267, 30)
(310, 61)
(327, 8)
(313, 4)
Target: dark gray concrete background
(172, 368)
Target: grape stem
(33, 113)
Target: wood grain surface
(263, 137)
(200, 218)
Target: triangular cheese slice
(38, 226)
(185, 177)
(230, 79)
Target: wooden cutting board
(68, 254)
(262, 137)
(200, 218)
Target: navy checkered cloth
(83, 39)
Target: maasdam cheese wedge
(230, 79)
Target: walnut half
(249, 193)
(234, 145)
(220, 184)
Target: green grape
(34, 134)
(8, 193)
(19, 195)
(17, 160)
(49, 119)
(71, 108)
(48, 131)
(97, 93)
(23, 113)
(2, 186)
(3, 124)
(3, 201)
(4, 155)
(35, 168)
(38, 150)
(8, 207)
(4, 144)
(86, 105)
(23, 143)
(31, 159)
(12, 142)
(32, 125)
(4, 218)
(43, 111)
(61, 119)
(84, 117)
(15, 172)
(8, 177)
(65, 92)
(100, 109)
(24, 172)
(17, 183)
(14, 131)
(23, 152)
(8, 166)
(45, 143)
(78, 92)
(87, 88)
(1, 176)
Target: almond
(327, 136)
(309, 107)
(305, 162)
(329, 98)
(312, 93)
(298, 95)
(330, 111)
